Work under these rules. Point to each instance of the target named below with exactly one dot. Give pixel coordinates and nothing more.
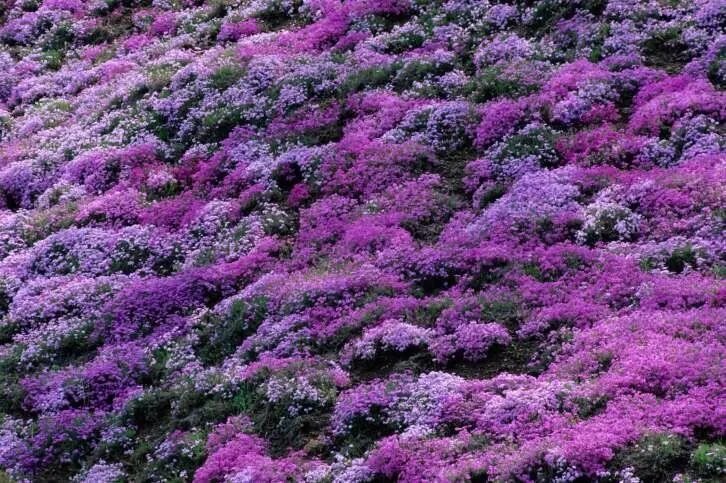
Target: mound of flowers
(362, 240)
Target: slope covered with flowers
(369, 240)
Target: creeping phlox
(362, 240)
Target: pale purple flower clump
(503, 48)
(535, 195)
(103, 473)
(473, 340)
(390, 335)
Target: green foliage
(282, 427)
(226, 76)
(533, 270)
(159, 126)
(194, 409)
(405, 41)
(369, 78)
(680, 258)
(589, 407)
(216, 9)
(168, 190)
(60, 38)
(151, 408)
(716, 70)
(427, 230)
(605, 226)
(98, 35)
(160, 412)
(321, 135)
(597, 43)
(11, 393)
(6, 297)
(666, 50)
(492, 194)
(491, 83)
(131, 3)
(709, 460)
(53, 58)
(128, 258)
(54, 48)
(30, 5)
(426, 315)
(415, 71)
(219, 336)
(539, 142)
(219, 123)
(278, 13)
(187, 455)
(518, 357)
(7, 331)
(157, 77)
(168, 263)
(363, 432)
(157, 365)
(75, 347)
(548, 13)
(655, 457)
(506, 311)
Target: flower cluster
(362, 240)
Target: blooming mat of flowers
(362, 240)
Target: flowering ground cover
(362, 241)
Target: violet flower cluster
(362, 241)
